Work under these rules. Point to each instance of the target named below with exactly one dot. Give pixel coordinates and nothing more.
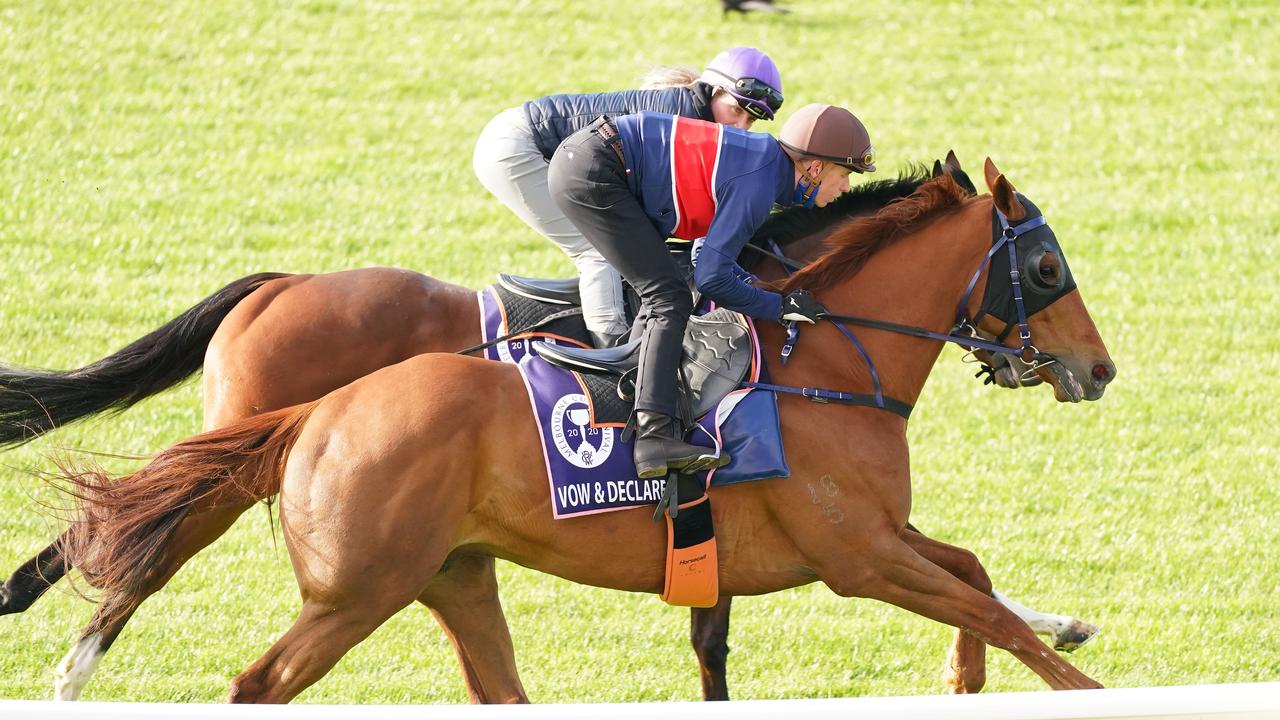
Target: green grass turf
(153, 151)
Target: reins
(524, 331)
(775, 252)
(963, 332)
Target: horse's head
(1005, 371)
(1068, 352)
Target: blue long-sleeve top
(555, 117)
(696, 178)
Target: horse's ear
(1006, 200)
(991, 172)
(937, 169)
(958, 174)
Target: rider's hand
(800, 306)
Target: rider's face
(727, 111)
(833, 181)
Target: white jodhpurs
(510, 166)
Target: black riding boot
(659, 448)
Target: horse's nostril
(1103, 373)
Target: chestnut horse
(358, 470)
(260, 356)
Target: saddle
(555, 292)
(717, 354)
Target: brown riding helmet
(831, 133)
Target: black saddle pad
(524, 313)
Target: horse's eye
(1044, 270)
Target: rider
(738, 87)
(630, 183)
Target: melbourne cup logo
(579, 443)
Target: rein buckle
(812, 394)
(793, 334)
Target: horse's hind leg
(30, 581)
(196, 532)
(73, 673)
(464, 599)
(321, 635)
(349, 588)
(709, 633)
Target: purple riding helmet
(750, 77)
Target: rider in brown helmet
(631, 183)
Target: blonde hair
(660, 77)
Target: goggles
(755, 96)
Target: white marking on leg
(1065, 633)
(1040, 622)
(73, 673)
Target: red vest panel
(695, 153)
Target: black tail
(33, 402)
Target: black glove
(800, 306)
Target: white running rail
(1252, 701)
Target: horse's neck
(916, 281)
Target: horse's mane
(850, 246)
(796, 222)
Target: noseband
(996, 302)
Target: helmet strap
(806, 189)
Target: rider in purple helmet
(750, 78)
(512, 154)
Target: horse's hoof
(1075, 636)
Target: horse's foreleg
(890, 570)
(709, 632)
(30, 581)
(966, 667)
(464, 599)
(1065, 633)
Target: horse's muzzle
(1073, 383)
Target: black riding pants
(588, 182)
